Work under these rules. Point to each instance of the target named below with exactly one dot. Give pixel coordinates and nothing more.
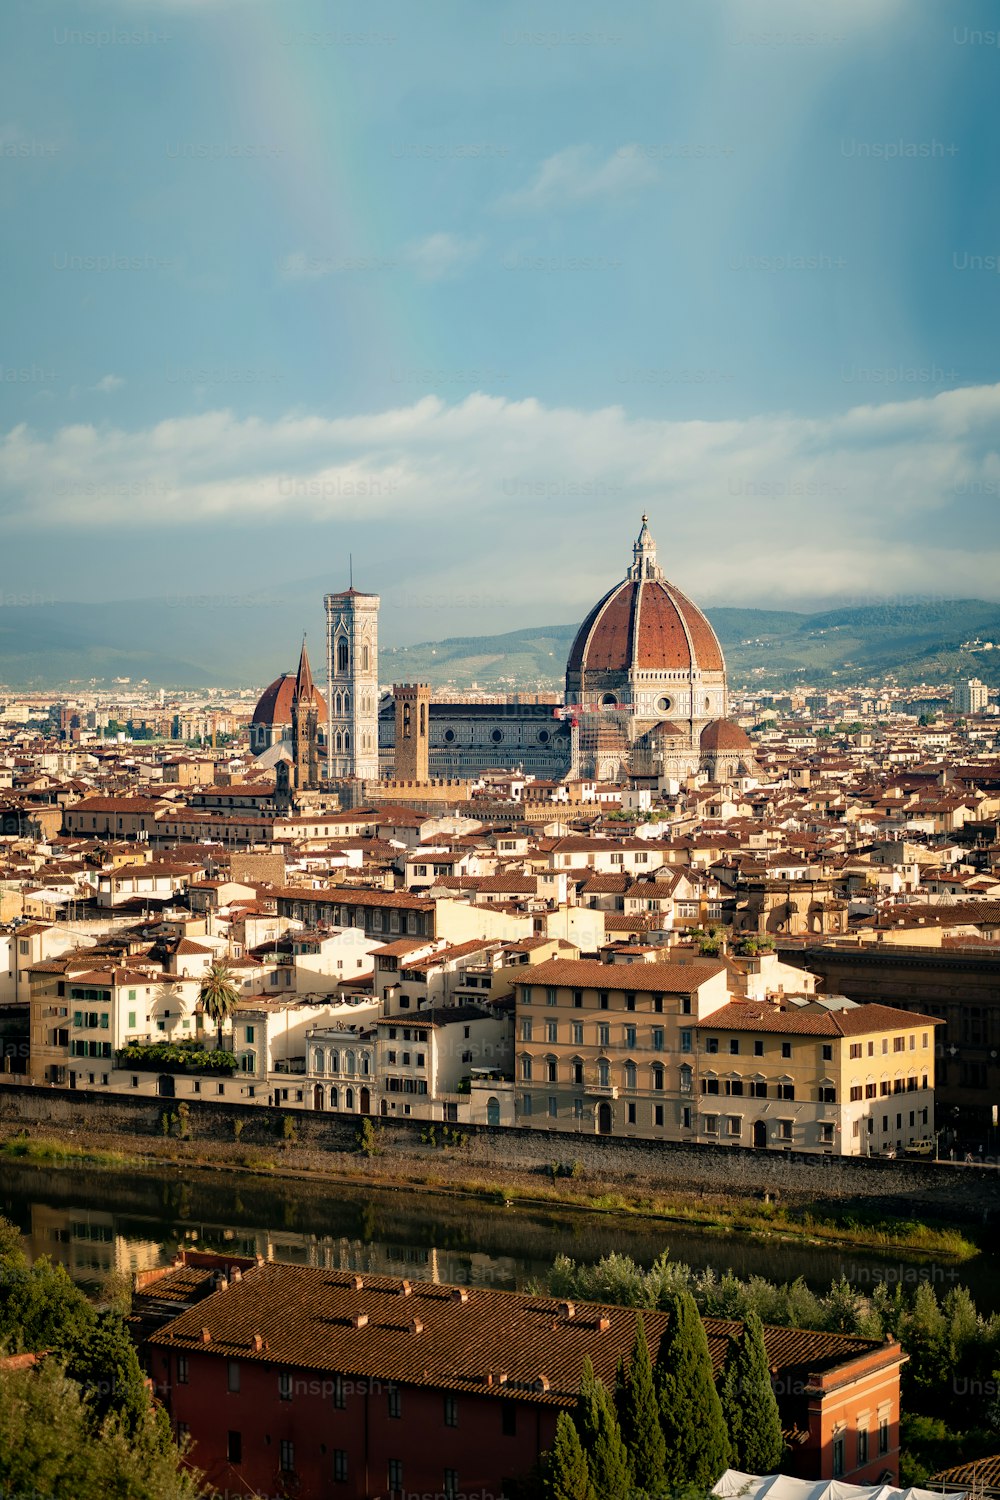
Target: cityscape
(446, 1055)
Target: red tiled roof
(812, 1020)
(584, 973)
(426, 1334)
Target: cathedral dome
(274, 707)
(643, 627)
(723, 734)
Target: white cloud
(108, 383)
(442, 255)
(875, 500)
(578, 175)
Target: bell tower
(413, 711)
(352, 685)
(305, 727)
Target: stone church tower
(352, 685)
(305, 728)
(412, 741)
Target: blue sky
(463, 288)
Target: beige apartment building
(662, 1051)
(598, 1047)
(813, 1074)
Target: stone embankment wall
(910, 1189)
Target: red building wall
(492, 1439)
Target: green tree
(49, 1447)
(40, 1308)
(219, 996)
(566, 1472)
(749, 1404)
(600, 1435)
(690, 1410)
(104, 1364)
(639, 1416)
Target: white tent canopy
(733, 1484)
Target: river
(96, 1221)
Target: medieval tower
(412, 742)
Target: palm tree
(219, 996)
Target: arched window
(366, 1065)
(336, 703)
(349, 1061)
(423, 718)
(658, 1078)
(347, 703)
(350, 1098)
(347, 740)
(334, 1096)
(604, 1073)
(630, 1075)
(338, 742)
(318, 1060)
(365, 659)
(334, 1062)
(685, 1079)
(342, 654)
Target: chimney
(359, 1320)
(405, 1289)
(459, 1294)
(357, 1282)
(542, 1383)
(206, 1337)
(258, 1343)
(603, 1324)
(416, 1325)
(237, 1274)
(568, 1309)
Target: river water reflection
(97, 1221)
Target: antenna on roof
(350, 557)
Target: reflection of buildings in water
(90, 1244)
(343, 1254)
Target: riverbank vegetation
(77, 1421)
(564, 1185)
(950, 1383)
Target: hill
(203, 641)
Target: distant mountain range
(204, 642)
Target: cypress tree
(697, 1444)
(567, 1473)
(749, 1404)
(601, 1438)
(639, 1416)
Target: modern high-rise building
(352, 685)
(970, 697)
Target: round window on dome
(449, 735)
(664, 705)
(496, 736)
(708, 704)
(609, 701)
(543, 736)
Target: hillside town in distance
(656, 908)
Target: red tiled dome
(648, 624)
(275, 703)
(723, 734)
